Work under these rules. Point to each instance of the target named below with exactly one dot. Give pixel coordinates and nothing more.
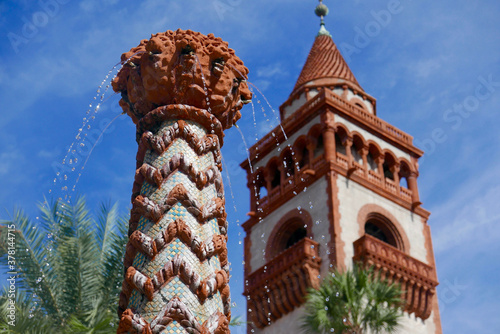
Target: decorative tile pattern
(205, 232)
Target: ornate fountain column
(181, 89)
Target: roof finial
(322, 10)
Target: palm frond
(17, 312)
(31, 259)
(70, 269)
(353, 301)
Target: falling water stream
(75, 154)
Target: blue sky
(433, 66)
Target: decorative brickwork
(280, 286)
(325, 62)
(368, 169)
(182, 89)
(417, 279)
(340, 163)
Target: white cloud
(470, 219)
(262, 84)
(10, 159)
(271, 70)
(424, 68)
(48, 153)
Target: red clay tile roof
(325, 61)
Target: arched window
(297, 235)
(291, 232)
(340, 138)
(404, 172)
(373, 153)
(356, 147)
(382, 228)
(379, 223)
(339, 146)
(260, 185)
(375, 231)
(387, 171)
(389, 163)
(288, 164)
(319, 149)
(274, 172)
(303, 153)
(288, 231)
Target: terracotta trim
(404, 161)
(314, 106)
(431, 261)
(270, 299)
(280, 227)
(416, 277)
(340, 128)
(336, 244)
(320, 169)
(364, 215)
(357, 100)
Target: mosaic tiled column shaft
(182, 89)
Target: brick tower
(341, 187)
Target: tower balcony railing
(390, 185)
(376, 122)
(374, 177)
(405, 193)
(293, 184)
(342, 160)
(417, 279)
(281, 285)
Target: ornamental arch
(384, 225)
(291, 228)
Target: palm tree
(354, 302)
(69, 269)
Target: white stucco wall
(353, 196)
(290, 324)
(296, 104)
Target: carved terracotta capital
(185, 68)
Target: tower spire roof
(325, 65)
